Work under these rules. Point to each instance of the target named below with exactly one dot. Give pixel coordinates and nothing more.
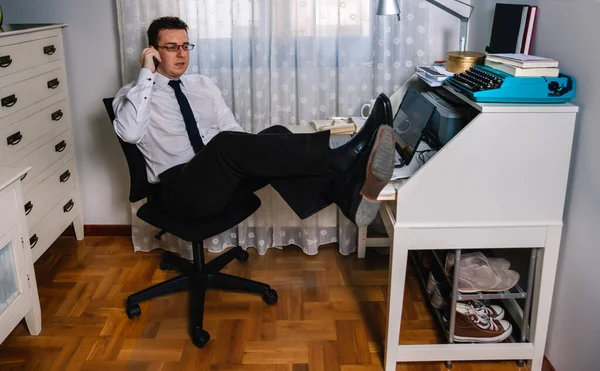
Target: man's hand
(146, 58)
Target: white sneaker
(431, 284)
(492, 311)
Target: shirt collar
(163, 81)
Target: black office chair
(195, 277)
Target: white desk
(500, 183)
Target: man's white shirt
(147, 114)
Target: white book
(522, 29)
(522, 60)
(518, 71)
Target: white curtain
(285, 62)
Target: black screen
(410, 121)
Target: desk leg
(362, 242)
(543, 291)
(396, 281)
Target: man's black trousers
(234, 165)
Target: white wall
(444, 29)
(568, 31)
(92, 58)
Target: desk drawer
(21, 56)
(22, 133)
(44, 157)
(26, 92)
(9, 207)
(51, 225)
(39, 200)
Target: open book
(335, 125)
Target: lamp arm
(457, 8)
(461, 11)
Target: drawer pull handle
(68, 206)
(50, 49)
(23, 177)
(28, 207)
(5, 61)
(60, 146)
(14, 139)
(57, 115)
(33, 240)
(9, 101)
(65, 176)
(53, 84)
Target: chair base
(195, 278)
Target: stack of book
(523, 64)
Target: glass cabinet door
(9, 287)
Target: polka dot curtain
(286, 62)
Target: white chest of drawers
(36, 130)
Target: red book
(529, 29)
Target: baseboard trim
(103, 230)
(547, 366)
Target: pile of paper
(433, 75)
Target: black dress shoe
(356, 191)
(346, 155)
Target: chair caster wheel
(164, 266)
(520, 363)
(133, 310)
(448, 365)
(242, 256)
(200, 338)
(270, 297)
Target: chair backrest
(139, 185)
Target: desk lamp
(457, 8)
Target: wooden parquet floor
(330, 315)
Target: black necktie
(188, 116)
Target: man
(202, 158)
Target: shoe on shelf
(471, 260)
(435, 295)
(492, 311)
(473, 327)
(437, 299)
(486, 278)
(431, 283)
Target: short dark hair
(164, 23)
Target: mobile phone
(156, 62)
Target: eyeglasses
(175, 47)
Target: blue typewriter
(488, 85)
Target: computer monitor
(410, 122)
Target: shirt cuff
(145, 77)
